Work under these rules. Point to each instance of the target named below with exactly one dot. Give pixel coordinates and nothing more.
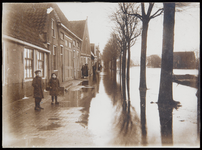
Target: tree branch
(150, 9)
(136, 15)
(143, 10)
(157, 13)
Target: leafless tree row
(132, 19)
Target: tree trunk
(143, 55)
(128, 71)
(120, 70)
(114, 74)
(124, 72)
(165, 91)
(111, 66)
(114, 68)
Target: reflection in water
(125, 123)
(166, 119)
(81, 97)
(143, 116)
(126, 120)
(88, 94)
(115, 122)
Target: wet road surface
(93, 113)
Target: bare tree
(118, 18)
(132, 32)
(111, 51)
(127, 31)
(145, 17)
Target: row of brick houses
(39, 36)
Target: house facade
(95, 56)
(81, 29)
(37, 37)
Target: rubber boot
(52, 100)
(36, 105)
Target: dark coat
(85, 70)
(82, 70)
(54, 85)
(38, 87)
(94, 69)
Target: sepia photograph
(101, 74)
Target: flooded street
(101, 74)
(140, 122)
(92, 113)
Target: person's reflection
(143, 116)
(166, 119)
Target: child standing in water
(54, 85)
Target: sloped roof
(78, 27)
(61, 15)
(25, 21)
(185, 55)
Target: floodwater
(140, 122)
(93, 113)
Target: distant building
(95, 56)
(184, 60)
(81, 29)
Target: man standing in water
(38, 89)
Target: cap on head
(37, 71)
(53, 74)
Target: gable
(78, 27)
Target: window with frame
(62, 36)
(70, 45)
(61, 50)
(40, 57)
(52, 27)
(61, 54)
(66, 43)
(54, 57)
(28, 53)
(74, 43)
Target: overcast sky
(187, 26)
